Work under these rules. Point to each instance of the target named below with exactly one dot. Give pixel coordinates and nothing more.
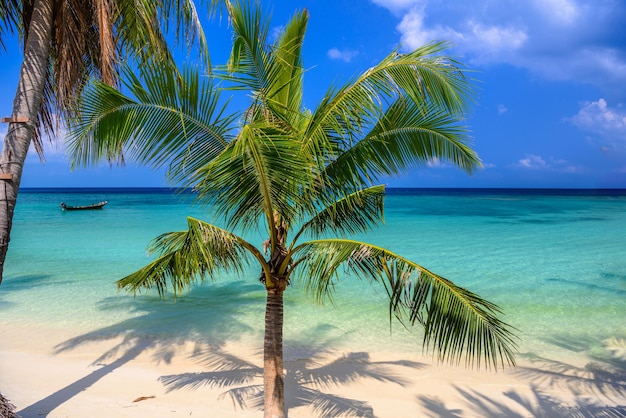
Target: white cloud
(54, 150)
(577, 40)
(494, 38)
(482, 40)
(502, 109)
(485, 42)
(343, 55)
(609, 123)
(533, 162)
(559, 11)
(414, 34)
(538, 163)
(398, 6)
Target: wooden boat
(87, 207)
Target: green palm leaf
(409, 135)
(247, 65)
(9, 18)
(347, 114)
(137, 23)
(186, 257)
(167, 120)
(350, 214)
(276, 76)
(285, 83)
(456, 321)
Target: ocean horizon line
(389, 189)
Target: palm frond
(247, 64)
(409, 135)
(189, 256)
(9, 18)
(351, 214)
(169, 120)
(183, 15)
(88, 39)
(423, 76)
(284, 93)
(273, 72)
(142, 27)
(456, 322)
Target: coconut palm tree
(65, 42)
(307, 178)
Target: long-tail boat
(98, 205)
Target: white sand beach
(53, 373)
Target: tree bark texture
(273, 376)
(27, 103)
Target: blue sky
(551, 82)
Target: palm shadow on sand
(595, 390)
(158, 327)
(312, 373)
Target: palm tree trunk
(273, 379)
(26, 104)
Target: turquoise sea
(553, 260)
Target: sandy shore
(57, 373)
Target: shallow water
(555, 262)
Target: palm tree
(66, 42)
(306, 178)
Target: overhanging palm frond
(351, 214)
(456, 322)
(9, 19)
(183, 14)
(167, 120)
(189, 256)
(136, 27)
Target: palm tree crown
(305, 177)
